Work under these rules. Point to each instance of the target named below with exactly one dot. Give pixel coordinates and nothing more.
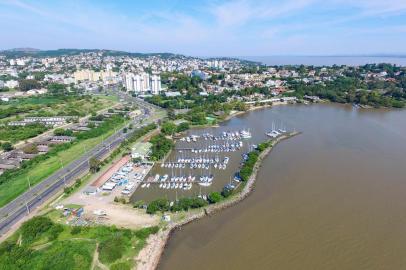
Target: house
(42, 149)
(6, 164)
(172, 94)
(11, 84)
(61, 139)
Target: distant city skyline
(209, 27)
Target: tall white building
(129, 81)
(155, 84)
(143, 82)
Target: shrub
(160, 146)
(158, 205)
(34, 228)
(76, 230)
(226, 192)
(54, 232)
(182, 127)
(63, 132)
(7, 146)
(139, 204)
(112, 248)
(121, 266)
(214, 197)
(145, 232)
(168, 128)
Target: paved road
(38, 194)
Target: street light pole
(28, 209)
(29, 183)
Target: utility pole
(28, 209)
(60, 161)
(29, 183)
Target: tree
(182, 127)
(214, 197)
(160, 146)
(26, 85)
(57, 89)
(158, 205)
(7, 146)
(94, 164)
(31, 149)
(168, 128)
(171, 114)
(34, 228)
(63, 132)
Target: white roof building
(11, 84)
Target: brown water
(333, 197)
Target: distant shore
(149, 256)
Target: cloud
(376, 7)
(235, 13)
(209, 27)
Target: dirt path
(96, 262)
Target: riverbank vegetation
(41, 243)
(354, 90)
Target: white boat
(245, 134)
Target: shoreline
(149, 257)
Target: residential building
(11, 84)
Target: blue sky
(208, 27)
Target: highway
(38, 194)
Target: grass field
(51, 106)
(13, 188)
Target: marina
(203, 161)
(333, 183)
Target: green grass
(109, 97)
(51, 105)
(70, 247)
(64, 255)
(19, 184)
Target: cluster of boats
(275, 132)
(215, 148)
(198, 163)
(179, 182)
(226, 135)
(184, 186)
(206, 180)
